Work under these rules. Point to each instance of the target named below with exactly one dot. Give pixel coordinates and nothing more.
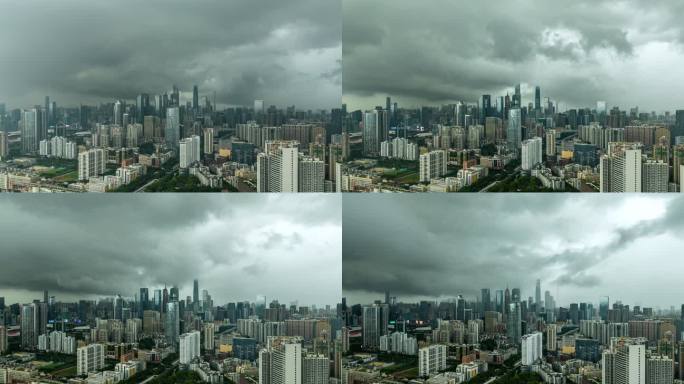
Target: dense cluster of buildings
(236, 148)
(113, 339)
(587, 149)
(455, 340)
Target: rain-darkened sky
(581, 247)
(430, 52)
(88, 51)
(239, 246)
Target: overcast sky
(578, 51)
(581, 247)
(238, 246)
(86, 51)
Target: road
(516, 171)
(142, 189)
(148, 379)
(175, 363)
(159, 174)
(485, 190)
(492, 379)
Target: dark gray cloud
(581, 247)
(88, 51)
(238, 246)
(578, 52)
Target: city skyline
(594, 51)
(420, 251)
(282, 53)
(236, 247)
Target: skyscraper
(195, 291)
(531, 153)
(281, 361)
(514, 129)
(208, 140)
(29, 336)
(315, 369)
(485, 107)
(278, 167)
(375, 131)
(432, 165)
(195, 98)
(144, 301)
(537, 295)
(258, 106)
(4, 145)
(388, 108)
(624, 362)
(142, 107)
(655, 176)
(189, 347)
(375, 320)
(172, 323)
(621, 168)
(601, 107)
(311, 175)
(209, 331)
(507, 301)
(537, 99)
(531, 348)
(551, 337)
(117, 119)
(46, 114)
(31, 130)
(173, 294)
(659, 370)
(172, 130)
(188, 151)
(486, 300)
(3, 339)
(91, 163)
(551, 143)
(175, 97)
(515, 295)
(604, 303)
(158, 300)
(431, 359)
(514, 324)
(678, 129)
(681, 359)
(90, 358)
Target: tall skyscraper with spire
(195, 98)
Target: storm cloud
(286, 248)
(439, 51)
(84, 51)
(581, 247)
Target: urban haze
(441, 51)
(85, 52)
(581, 248)
(238, 247)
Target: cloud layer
(81, 51)
(286, 248)
(580, 247)
(578, 52)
